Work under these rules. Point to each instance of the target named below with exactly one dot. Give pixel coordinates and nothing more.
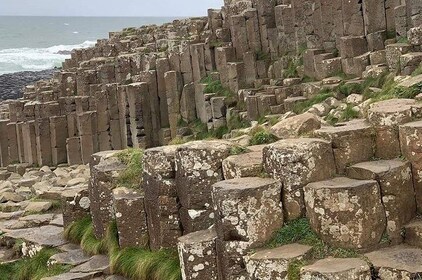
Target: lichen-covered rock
(352, 142)
(295, 163)
(397, 263)
(398, 196)
(161, 202)
(247, 209)
(103, 178)
(198, 167)
(75, 205)
(269, 264)
(197, 254)
(230, 259)
(128, 203)
(248, 164)
(296, 126)
(346, 213)
(410, 141)
(413, 233)
(386, 116)
(337, 269)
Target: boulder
(296, 126)
(248, 164)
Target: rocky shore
(11, 85)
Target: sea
(39, 43)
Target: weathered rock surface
(332, 269)
(343, 214)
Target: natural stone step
(352, 142)
(398, 196)
(197, 255)
(75, 276)
(97, 263)
(248, 164)
(74, 257)
(43, 236)
(346, 213)
(336, 269)
(386, 116)
(295, 163)
(398, 262)
(413, 233)
(274, 263)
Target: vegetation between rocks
(260, 136)
(134, 263)
(34, 268)
(300, 231)
(131, 177)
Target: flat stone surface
(398, 258)
(75, 257)
(96, 263)
(289, 251)
(44, 236)
(38, 206)
(74, 276)
(333, 268)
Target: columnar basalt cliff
(322, 197)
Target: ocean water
(35, 43)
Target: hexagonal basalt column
(398, 262)
(197, 254)
(295, 163)
(410, 141)
(198, 167)
(333, 269)
(161, 202)
(398, 196)
(247, 209)
(386, 116)
(352, 142)
(268, 264)
(75, 205)
(345, 212)
(130, 217)
(248, 164)
(103, 177)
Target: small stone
(38, 206)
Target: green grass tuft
(346, 115)
(293, 270)
(237, 150)
(131, 177)
(302, 107)
(260, 136)
(75, 232)
(90, 244)
(34, 268)
(138, 263)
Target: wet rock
(346, 213)
(332, 268)
(267, 264)
(295, 163)
(197, 255)
(398, 262)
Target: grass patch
(418, 71)
(293, 270)
(260, 136)
(237, 150)
(138, 263)
(236, 122)
(300, 231)
(178, 141)
(291, 70)
(346, 115)
(75, 232)
(34, 268)
(302, 107)
(131, 177)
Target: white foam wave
(35, 59)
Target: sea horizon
(34, 43)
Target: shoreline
(12, 84)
